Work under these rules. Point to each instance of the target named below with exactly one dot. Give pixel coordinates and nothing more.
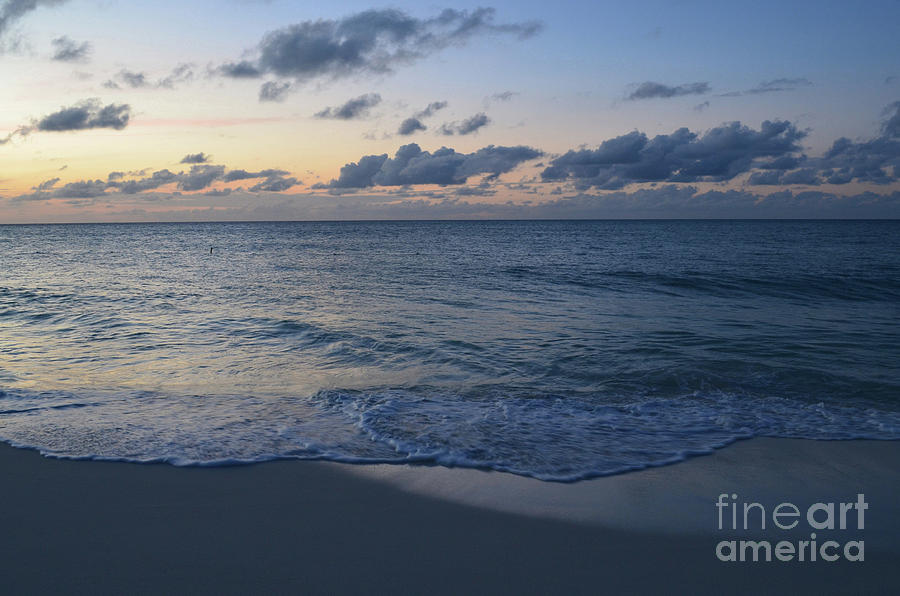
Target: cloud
(773, 86)
(87, 114)
(274, 91)
(13, 10)
(195, 158)
(411, 165)
(240, 70)
(467, 126)
(891, 127)
(66, 49)
(132, 79)
(688, 202)
(777, 85)
(368, 42)
(701, 106)
(275, 183)
(199, 177)
(875, 161)
(353, 109)
(651, 90)
(683, 156)
(661, 202)
(46, 184)
(274, 180)
(182, 73)
(504, 96)
(771, 155)
(84, 115)
(409, 126)
(134, 186)
(413, 124)
(430, 109)
(85, 189)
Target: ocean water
(558, 350)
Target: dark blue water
(560, 350)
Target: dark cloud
(353, 109)
(769, 156)
(139, 80)
(688, 202)
(180, 74)
(411, 166)
(430, 109)
(240, 70)
(773, 86)
(234, 175)
(409, 126)
(275, 183)
(467, 126)
(195, 158)
(414, 123)
(656, 203)
(368, 42)
(504, 96)
(133, 186)
(46, 184)
(87, 114)
(650, 90)
(875, 161)
(891, 127)
(701, 106)
(84, 189)
(274, 180)
(274, 91)
(807, 176)
(13, 10)
(199, 177)
(132, 79)
(777, 85)
(474, 191)
(41, 192)
(66, 49)
(720, 154)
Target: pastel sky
(122, 110)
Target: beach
(320, 527)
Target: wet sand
(314, 527)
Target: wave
(560, 438)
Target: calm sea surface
(560, 350)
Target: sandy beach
(86, 527)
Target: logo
(843, 522)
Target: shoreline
(74, 526)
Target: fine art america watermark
(846, 519)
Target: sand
(294, 527)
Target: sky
(120, 110)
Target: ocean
(560, 350)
